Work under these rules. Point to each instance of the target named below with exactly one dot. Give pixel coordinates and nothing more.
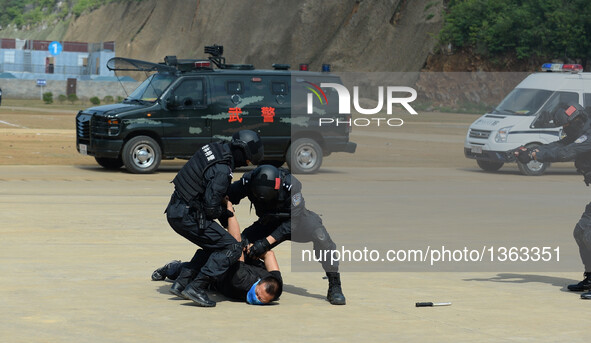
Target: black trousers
(582, 234)
(303, 228)
(223, 249)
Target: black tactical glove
(258, 248)
(223, 219)
(244, 242)
(523, 154)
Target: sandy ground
(79, 244)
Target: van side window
(558, 98)
(569, 97)
(189, 93)
(279, 88)
(544, 119)
(234, 87)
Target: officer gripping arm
(218, 181)
(290, 205)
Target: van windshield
(151, 89)
(523, 101)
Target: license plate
(83, 148)
(476, 149)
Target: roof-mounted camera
(216, 52)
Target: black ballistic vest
(190, 181)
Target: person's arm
(567, 150)
(218, 180)
(270, 261)
(234, 226)
(273, 267)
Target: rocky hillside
(352, 35)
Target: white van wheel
(533, 167)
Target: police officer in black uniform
(280, 206)
(198, 199)
(575, 145)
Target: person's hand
(523, 154)
(533, 153)
(258, 248)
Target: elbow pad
(213, 212)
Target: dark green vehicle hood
(113, 109)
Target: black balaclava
(239, 157)
(576, 127)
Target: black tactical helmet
(251, 143)
(265, 182)
(566, 114)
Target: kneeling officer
(576, 145)
(198, 199)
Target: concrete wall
(28, 89)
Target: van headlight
(502, 134)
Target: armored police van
(523, 118)
(185, 104)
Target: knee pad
(322, 239)
(323, 243)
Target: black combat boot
(335, 293)
(197, 291)
(160, 273)
(185, 277)
(582, 286)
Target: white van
(523, 117)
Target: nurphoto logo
(344, 97)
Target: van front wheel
(141, 155)
(304, 156)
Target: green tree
(527, 28)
